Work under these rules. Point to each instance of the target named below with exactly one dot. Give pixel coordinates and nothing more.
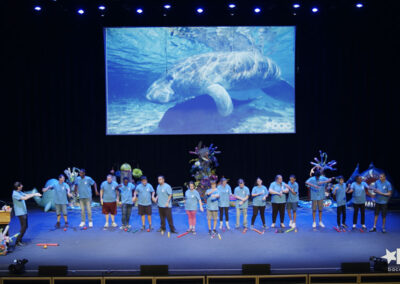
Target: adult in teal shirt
(144, 193)
(164, 202)
(357, 189)
(292, 200)
(225, 193)
(192, 197)
(259, 194)
(61, 194)
(20, 210)
(317, 184)
(83, 185)
(383, 191)
(109, 198)
(277, 189)
(339, 191)
(212, 195)
(241, 193)
(126, 188)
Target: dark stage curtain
(54, 106)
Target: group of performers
(283, 196)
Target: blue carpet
(97, 249)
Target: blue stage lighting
(314, 10)
(257, 10)
(232, 6)
(37, 8)
(296, 5)
(81, 11)
(102, 7)
(167, 6)
(139, 10)
(359, 5)
(200, 10)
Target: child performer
(192, 198)
(225, 192)
(339, 190)
(293, 199)
(212, 206)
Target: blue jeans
(126, 213)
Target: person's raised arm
(44, 189)
(30, 195)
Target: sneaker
(189, 230)
(364, 227)
(106, 225)
(265, 227)
(321, 224)
(150, 228)
(66, 225)
(227, 226)
(282, 225)
(114, 224)
(290, 223)
(273, 225)
(344, 226)
(90, 224)
(252, 227)
(82, 224)
(384, 230)
(122, 227)
(58, 225)
(174, 232)
(209, 232)
(220, 225)
(314, 225)
(20, 244)
(193, 232)
(293, 225)
(354, 226)
(214, 232)
(143, 228)
(129, 226)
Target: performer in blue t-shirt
(339, 190)
(20, 210)
(383, 191)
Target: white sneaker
(227, 226)
(273, 225)
(121, 228)
(290, 223)
(282, 225)
(293, 225)
(321, 225)
(106, 225)
(90, 224)
(314, 225)
(354, 226)
(220, 225)
(114, 224)
(82, 224)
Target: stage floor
(99, 250)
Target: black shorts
(380, 207)
(144, 210)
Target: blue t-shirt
(163, 192)
(212, 202)
(109, 191)
(293, 197)
(224, 193)
(359, 192)
(19, 204)
(383, 187)
(278, 188)
(258, 200)
(84, 186)
(126, 193)
(144, 193)
(243, 193)
(60, 193)
(340, 194)
(317, 193)
(192, 199)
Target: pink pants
(192, 217)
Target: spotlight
(139, 11)
(314, 10)
(81, 11)
(102, 7)
(232, 6)
(296, 5)
(200, 10)
(37, 8)
(167, 6)
(257, 10)
(359, 5)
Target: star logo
(389, 256)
